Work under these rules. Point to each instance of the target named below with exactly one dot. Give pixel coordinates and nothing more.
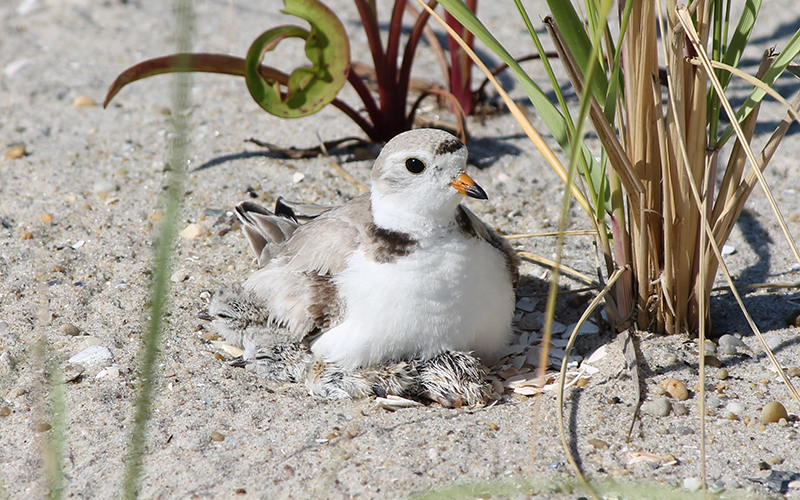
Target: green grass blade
(178, 157)
(552, 119)
(574, 33)
(779, 65)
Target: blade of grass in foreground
(178, 154)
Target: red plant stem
(411, 47)
(391, 100)
(369, 19)
(460, 64)
(369, 104)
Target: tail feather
(266, 232)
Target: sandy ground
(79, 214)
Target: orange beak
(465, 185)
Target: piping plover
(396, 291)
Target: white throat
(412, 215)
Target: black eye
(415, 165)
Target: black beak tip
(477, 192)
(204, 315)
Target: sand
(80, 213)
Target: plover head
(419, 178)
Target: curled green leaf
(308, 89)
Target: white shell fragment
(392, 402)
(93, 355)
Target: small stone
(598, 444)
(82, 101)
(773, 412)
(14, 152)
(582, 382)
(735, 407)
(27, 235)
(712, 361)
(179, 276)
(657, 390)
(5, 411)
(730, 340)
(794, 319)
(675, 388)
(298, 177)
(713, 402)
(72, 371)
(659, 407)
(680, 409)
(209, 335)
(112, 372)
(216, 436)
(721, 374)
(43, 427)
(91, 341)
(191, 231)
(70, 329)
(774, 342)
(692, 483)
(717, 488)
(670, 359)
(727, 350)
(156, 216)
(684, 431)
(494, 426)
(793, 371)
(104, 188)
(728, 250)
(47, 218)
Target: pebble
(43, 427)
(103, 188)
(713, 402)
(27, 235)
(774, 342)
(684, 431)
(82, 101)
(730, 340)
(680, 409)
(773, 412)
(657, 390)
(675, 388)
(191, 231)
(598, 444)
(727, 350)
(712, 361)
(793, 371)
(735, 407)
(14, 152)
(692, 483)
(93, 355)
(297, 177)
(794, 319)
(728, 250)
(47, 218)
(659, 407)
(5, 411)
(90, 341)
(72, 371)
(179, 276)
(721, 374)
(216, 436)
(717, 488)
(70, 329)
(670, 359)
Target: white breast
(451, 293)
